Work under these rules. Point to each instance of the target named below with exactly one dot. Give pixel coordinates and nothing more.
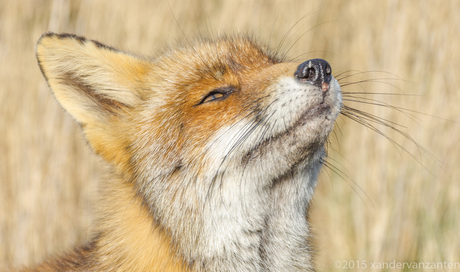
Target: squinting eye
(217, 94)
(212, 96)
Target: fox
(213, 147)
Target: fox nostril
(314, 71)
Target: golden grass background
(383, 203)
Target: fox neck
(268, 231)
(128, 238)
(250, 229)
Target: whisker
(367, 124)
(356, 73)
(347, 178)
(283, 39)
(370, 117)
(303, 34)
(406, 112)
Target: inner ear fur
(97, 85)
(90, 80)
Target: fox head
(220, 138)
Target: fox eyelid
(217, 94)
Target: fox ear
(89, 79)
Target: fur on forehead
(210, 54)
(176, 67)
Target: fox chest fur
(214, 149)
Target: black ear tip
(61, 36)
(48, 34)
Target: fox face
(221, 140)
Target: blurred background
(381, 198)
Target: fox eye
(217, 94)
(213, 96)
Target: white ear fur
(89, 79)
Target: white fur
(257, 209)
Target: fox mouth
(320, 110)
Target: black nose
(316, 72)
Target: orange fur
(152, 122)
(129, 231)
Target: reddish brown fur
(128, 127)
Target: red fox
(214, 149)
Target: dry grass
(383, 204)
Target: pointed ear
(90, 80)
